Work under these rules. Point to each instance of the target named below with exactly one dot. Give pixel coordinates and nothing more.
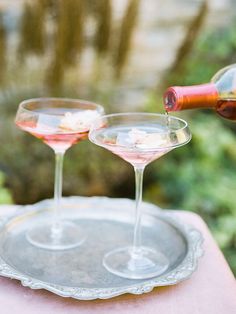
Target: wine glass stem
(138, 199)
(56, 224)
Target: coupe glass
(138, 138)
(59, 123)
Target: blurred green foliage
(201, 177)
(5, 195)
(213, 50)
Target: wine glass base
(68, 236)
(140, 264)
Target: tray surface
(108, 222)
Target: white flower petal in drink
(137, 136)
(123, 140)
(78, 121)
(142, 139)
(131, 138)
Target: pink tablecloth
(210, 290)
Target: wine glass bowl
(59, 123)
(138, 138)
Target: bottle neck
(190, 97)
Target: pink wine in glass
(138, 138)
(58, 127)
(140, 145)
(59, 123)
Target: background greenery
(200, 177)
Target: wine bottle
(219, 94)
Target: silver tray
(78, 273)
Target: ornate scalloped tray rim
(182, 272)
